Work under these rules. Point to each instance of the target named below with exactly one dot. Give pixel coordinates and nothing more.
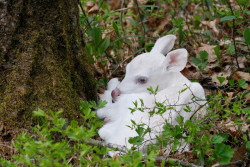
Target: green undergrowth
(216, 138)
(58, 142)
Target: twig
(69, 160)
(235, 50)
(121, 19)
(80, 4)
(141, 18)
(193, 35)
(122, 9)
(201, 106)
(90, 27)
(123, 149)
(180, 162)
(12, 148)
(230, 163)
(121, 63)
(103, 144)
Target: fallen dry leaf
(191, 71)
(109, 33)
(230, 96)
(241, 60)
(242, 75)
(90, 4)
(94, 9)
(142, 2)
(221, 74)
(162, 26)
(210, 50)
(224, 42)
(213, 64)
(212, 25)
(239, 154)
(114, 4)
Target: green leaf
(203, 65)
(142, 103)
(150, 89)
(223, 152)
(137, 51)
(156, 89)
(116, 29)
(197, 17)
(148, 130)
(104, 45)
(167, 130)
(39, 113)
(197, 21)
(196, 61)
(101, 104)
(84, 105)
(135, 103)
(139, 130)
(230, 49)
(246, 110)
(181, 36)
(93, 104)
(248, 146)
(221, 79)
(58, 113)
(132, 110)
(149, 46)
(136, 140)
(177, 132)
(203, 55)
(170, 108)
(246, 35)
(187, 109)
(217, 52)
(183, 90)
(217, 139)
(133, 122)
(210, 3)
(179, 119)
(231, 82)
(97, 36)
(226, 18)
(171, 162)
(242, 83)
(178, 22)
(242, 2)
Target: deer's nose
(115, 93)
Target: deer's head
(153, 68)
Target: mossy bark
(42, 62)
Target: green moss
(49, 68)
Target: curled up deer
(160, 70)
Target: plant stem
(90, 27)
(141, 18)
(235, 50)
(123, 150)
(80, 4)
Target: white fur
(161, 71)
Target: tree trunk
(42, 63)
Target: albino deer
(152, 69)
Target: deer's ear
(176, 60)
(164, 44)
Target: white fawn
(152, 69)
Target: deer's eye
(142, 80)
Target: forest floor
(216, 40)
(216, 36)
